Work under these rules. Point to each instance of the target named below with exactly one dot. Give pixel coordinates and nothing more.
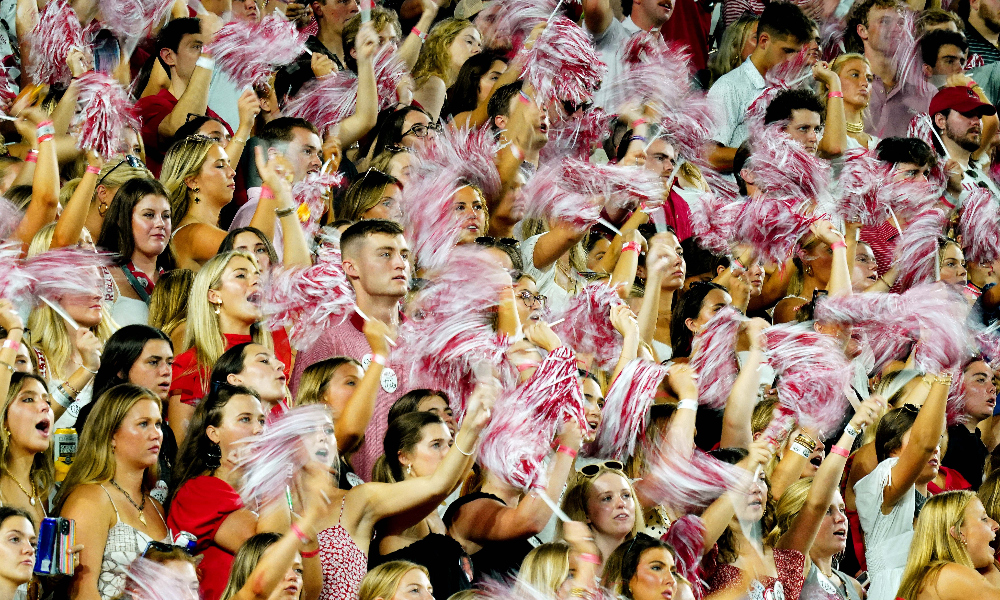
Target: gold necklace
(855, 127)
(142, 517)
(30, 496)
(570, 280)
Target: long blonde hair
(787, 508)
(245, 562)
(934, 545)
(204, 331)
(42, 471)
(545, 568)
(382, 581)
(169, 301)
(435, 55)
(184, 159)
(95, 459)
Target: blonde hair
(787, 508)
(204, 331)
(169, 301)
(316, 377)
(734, 38)
(838, 65)
(95, 459)
(184, 159)
(545, 568)
(382, 581)
(989, 494)
(435, 55)
(245, 561)
(574, 502)
(934, 545)
(42, 470)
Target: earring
(218, 308)
(809, 270)
(196, 198)
(213, 456)
(409, 470)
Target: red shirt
(187, 377)
(953, 481)
(200, 507)
(152, 110)
(883, 240)
(690, 24)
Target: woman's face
(85, 309)
(131, 143)
(593, 404)
(242, 417)
(438, 406)
(238, 295)
(390, 205)
(249, 242)
(752, 509)
(213, 129)
(864, 273)
(611, 505)
(22, 362)
(856, 82)
(216, 181)
(749, 42)
(654, 576)
(30, 418)
(290, 586)
(529, 308)
(424, 458)
(187, 577)
(978, 531)
(262, 373)
(953, 266)
(152, 370)
(151, 225)
(673, 275)
(488, 80)
(414, 585)
(321, 444)
(820, 264)
(832, 536)
(933, 464)
(465, 46)
(17, 550)
(979, 390)
(596, 254)
(399, 166)
(470, 210)
(715, 300)
(411, 140)
(139, 437)
(341, 387)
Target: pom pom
(67, 272)
(267, 462)
(954, 410)
(626, 408)
(309, 300)
(919, 243)
(940, 314)
(979, 224)
(783, 168)
(813, 375)
(687, 537)
(713, 357)
(148, 580)
(310, 193)
(250, 52)
(15, 282)
(132, 20)
(105, 112)
(772, 227)
(546, 196)
(713, 220)
(587, 328)
(576, 136)
(562, 64)
(525, 421)
(449, 338)
(857, 199)
(10, 218)
(512, 20)
(793, 73)
(621, 187)
(56, 33)
(686, 480)
(467, 154)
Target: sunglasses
(162, 547)
(594, 469)
(133, 161)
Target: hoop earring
(213, 456)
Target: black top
(966, 454)
(450, 568)
(292, 76)
(497, 559)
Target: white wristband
(378, 359)
(205, 63)
(687, 404)
(851, 431)
(800, 450)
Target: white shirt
(734, 92)
(609, 44)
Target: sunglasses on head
(594, 469)
(162, 547)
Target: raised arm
(597, 15)
(611, 257)
(45, 184)
(624, 323)
(248, 107)
(276, 203)
(925, 436)
(719, 514)
(71, 222)
(834, 140)
(354, 127)
(410, 49)
(554, 243)
(736, 432)
(352, 422)
(840, 271)
(680, 432)
(623, 276)
(194, 100)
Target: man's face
(655, 11)
(989, 12)
(806, 128)
(777, 49)
(380, 265)
(966, 131)
(525, 114)
(186, 56)
(950, 60)
(304, 152)
(884, 30)
(335, 13)
(661, 158)
(909, 171)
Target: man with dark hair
(957, 113)
(982, 29)
(518, 119)
(944, 53)
(804, 114)
(325, 51)
(178, 50)
(376, 261)
(782, 30)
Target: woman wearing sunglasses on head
(374, 196)
(602, 496)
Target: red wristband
(638, 122)
(266, 193)
(419, 34)
(309, 554)
(631, 246)
(93, 169)
(590, 558)
(32, 156)
(838, 244)
(305, 539)
(566, 450)
(835, 95)
(840, 451)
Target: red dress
(790, 565)
(200, 507)
(187, 374)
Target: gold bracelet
(943, 378)
(806, 441)
(9, 366)
(66, 385)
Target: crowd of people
(601, 298)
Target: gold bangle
(806, 441)
(943, 378)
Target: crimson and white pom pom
(626, 409)
(686, 480)
(857, 198)
(586, 326)
(250, 52)
(468, 154)
(919, 247)
(713, 357)
(67, 272)
(783, 168)
(939, 315)
(545, 196)
(979, 224)
(527, 419)
(10, 218)
(687, 537)
(620, 186)
(149, 580)
(132, 20)
(433, 228)
(791, 74)
(772, 227)
(812, 374)
(310, 192)
(15, 282)
(56, 33)
(954, 411)
(576, 136)
(309, 300)
(713, 219)
(449, 337)
(512, 20)
(876, 317)
(563, 64)
(106, 111)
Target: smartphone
(56, 538)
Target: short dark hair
(780, 109)
(116, 233)
(172, 33)
(368, 227)
(232, 362)
(897, 150)
(229, 242)
(464, 94)
(499, 104)
(122, 349)
(937, 16)
(7, 512)
(700, 261)
(632, 551)
(388, 130)
(785, 20)
(859, 16)
(282, 131)
(930, 44)
(192, 126)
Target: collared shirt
(609, 44)
(890, 112)
(734, 92)
(980, 45)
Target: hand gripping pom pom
(106, 112)
(250, 52)
(626, 408)
(56, 33)
(713, 357)
(587, 327)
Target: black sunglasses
(162, 547)
(133, 161)
(594, 469)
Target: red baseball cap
(962, 99)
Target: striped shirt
(980, 45)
